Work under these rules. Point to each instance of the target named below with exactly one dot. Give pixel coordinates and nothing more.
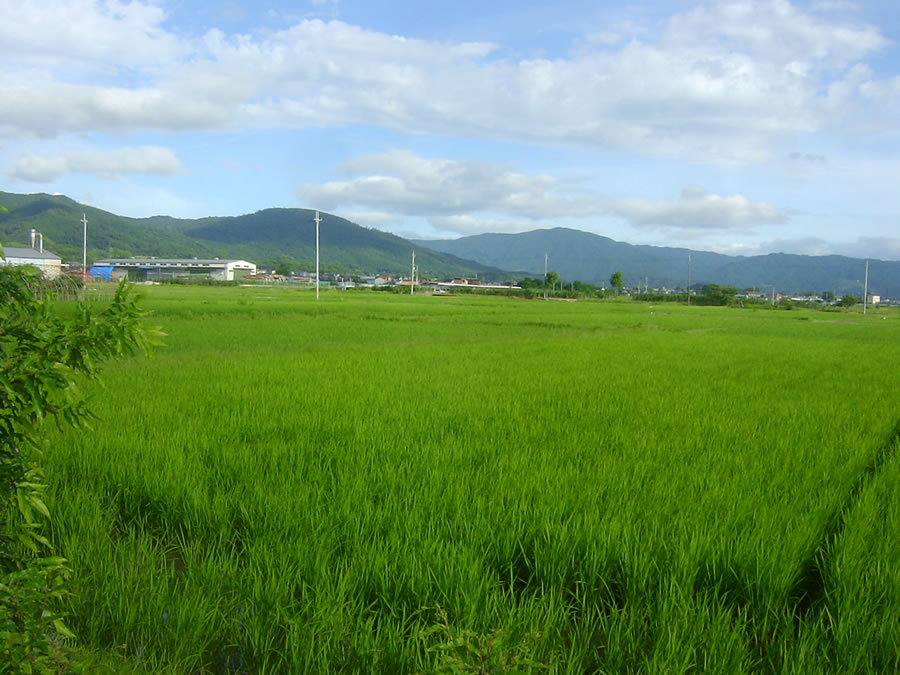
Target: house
(48, 263)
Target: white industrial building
(48, 263)
(152, 269)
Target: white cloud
(874, 248)
(105, 34)
(722, 83)
(774, 32)
(106, 163)
(49, 108)
(402, 182)
(469, 196)
(695, 209)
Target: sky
(736, 126)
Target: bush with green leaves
(43, 358)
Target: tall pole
(545, 275)
(412, 274)
(84, 250)
(318, 220)
(866, 290)
(689, 280)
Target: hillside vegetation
(270, 238)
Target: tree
(552, 278)
(719, 295)
(583, 289)
(530, 283)
(616, 282)
(43, 359)
(848, 301)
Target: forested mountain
(59, 219)
(574, 254)
(286, 237)
(270, 238)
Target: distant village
(160, 270)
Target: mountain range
(286, 237)
(271, 238)
(591, 258)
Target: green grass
(377, 483)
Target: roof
(159, 262)
(33, 253)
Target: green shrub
(42, 358)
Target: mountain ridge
(269, 237)
(277, 237)
(593, 258)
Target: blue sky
(739, 126)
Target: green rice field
(395, 484)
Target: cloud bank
(721, 83)
(469, 196)
(107, 163)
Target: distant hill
(269, 238)
(591, 258)
(58, 218)
(286, 237)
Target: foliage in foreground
(42, 357)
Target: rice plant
(378, 483)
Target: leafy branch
(43, 360)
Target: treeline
(709, 295)
(558, 288)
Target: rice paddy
(377, 483)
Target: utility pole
(84, 250)
(689, 281)
(412, 274)
(318, 220)
(545, 275)
(866, 290)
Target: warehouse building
(154, 269)
(48, 263)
